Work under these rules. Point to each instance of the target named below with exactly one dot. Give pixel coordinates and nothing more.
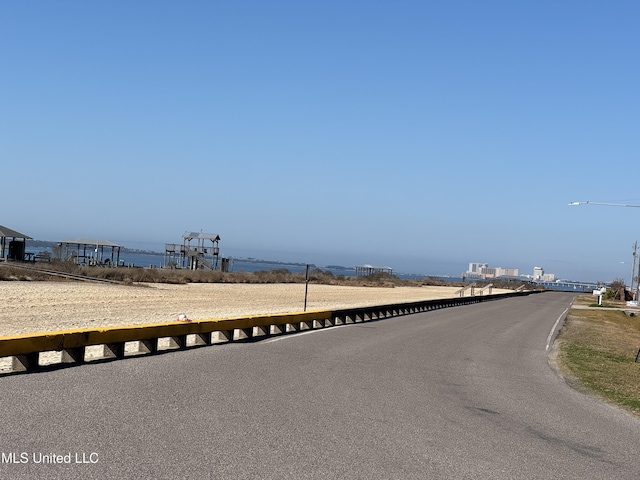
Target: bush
(616, 291)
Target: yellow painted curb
(67, 339)
(23, 344)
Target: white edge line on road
(299, 334)
(554, 327)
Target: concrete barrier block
(318, 323)
(73, 355)
(26, 362)
(222, 336)
(293, 327)
(202, 339)
(261, 331)
(278, 329)
(114, 350)
(148, 346)
(243, 333)
(178, 341)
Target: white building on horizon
(476, 267)
(540, 276)
(538, 273)
(483, 271)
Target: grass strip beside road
(597, 352)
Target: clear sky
(422, 135)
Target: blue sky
(416, 134)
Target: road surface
(464, 392)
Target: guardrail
(25, 351)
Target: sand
(30, 307)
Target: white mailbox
(599, 293)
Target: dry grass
(125, 275)
(592, 301)
(184, 276)
(597, 350)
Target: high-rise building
(476, 267)
(538, 273)
(506, 272)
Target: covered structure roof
(16, 247)
(201, 236)
(6, 232)
(92, 242)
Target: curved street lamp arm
(572, 204)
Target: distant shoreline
(138, 251)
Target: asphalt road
(464, 392)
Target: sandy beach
(29, 307)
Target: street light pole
(637, 293)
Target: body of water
(157, 260)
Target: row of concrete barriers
(26, 351)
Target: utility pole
(636, 292)
(633, 270)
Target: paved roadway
(464, 392)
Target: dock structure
(202, 255)
(173, 255)
(88, 251)
(13, 241)
(364, 270)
